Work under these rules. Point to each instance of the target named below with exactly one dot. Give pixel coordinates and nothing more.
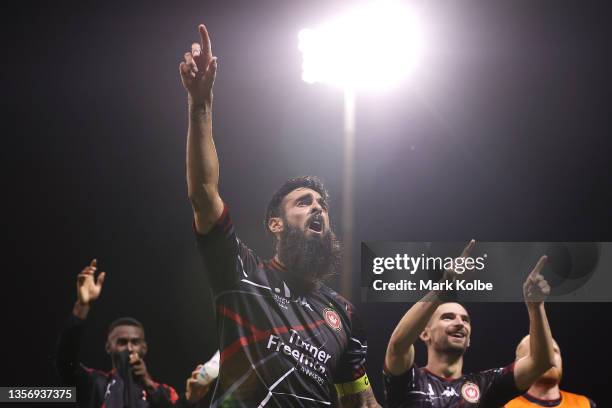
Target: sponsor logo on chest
(311, 359)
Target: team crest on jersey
(332, 319)
(470, 392)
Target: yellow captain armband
(353, 387)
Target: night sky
(500, 135)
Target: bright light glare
(372, 46)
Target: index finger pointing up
(538, 268)
(468, 248)
(206, 48)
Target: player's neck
(295, 281)
(544, 391)
(445, 365)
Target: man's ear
(424, 336)
(107, 347)
(275, 225)
(144, 348)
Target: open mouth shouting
(316, 224)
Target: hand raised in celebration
(536, 289)
(198, 71)
(88, 286)
(451, 274)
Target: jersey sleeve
(499, 387)
(164, 396)
(404, 389)
(70, 370)
(226, 259)
(350, 376)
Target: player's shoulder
(92, 372)
(507, 369)
(573, 398)
(487, 376)
(413, 372)
(249, 251)
(170, 392)
(413, 379)
(99, 379)
(339, 302)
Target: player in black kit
(445, 328)
(285, 338)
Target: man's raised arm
(541, 356)
(88, 288)
(400, 350)
(198, 76)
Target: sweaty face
(449, 329)
(126, 337)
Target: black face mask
(125, 372)
(310, 259)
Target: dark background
(501, 135)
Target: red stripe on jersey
(257, 335)
(238, 319)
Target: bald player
(445, 328)
(545, 391)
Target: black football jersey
(280, 345)
(419, 388)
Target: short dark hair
(124, 321)
(274, 206)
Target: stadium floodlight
(374, 45)
(371, 46)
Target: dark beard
(453, 350)
(311, 259)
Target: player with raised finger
(129, 383)
(286, 339)
(445, 328)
